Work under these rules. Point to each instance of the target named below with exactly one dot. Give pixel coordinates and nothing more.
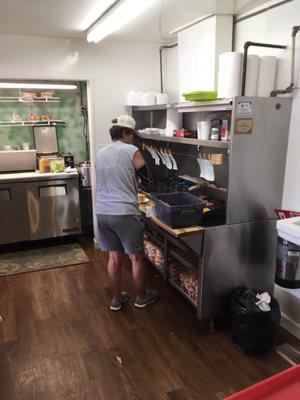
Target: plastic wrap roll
(229, 77)
(252, 75)
(266, 76)
(162, 98)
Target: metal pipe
(191, 23)
(246, 47)
(170, 46)
(290, 88)
(161, 70)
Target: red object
(185, 133)
(224, 130)
(179, 133)
(190, 134)
(282, 214)
(282, 386)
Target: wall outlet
(81, 109)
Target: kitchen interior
(215, 95)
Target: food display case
(237, 245)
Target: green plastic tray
(200, 96)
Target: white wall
(193, 65)
(112, 67)
(275, 26)
(291, 195)
(117, 68)
(170, 73)
(199, 47)
(31, 57)
(196, 52)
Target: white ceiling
(65, 18)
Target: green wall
(70, 136)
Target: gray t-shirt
(116, 182)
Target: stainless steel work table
(34, 176)
(36, 206)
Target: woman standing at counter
(119, 219)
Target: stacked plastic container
(134, 98)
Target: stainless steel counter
(35, 176)
(36, 206)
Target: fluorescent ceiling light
(120, 15)
(95, 13)
(16, 85)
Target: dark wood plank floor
(59, 341)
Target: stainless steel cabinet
(53, 208)
(241, 252)
(13, 213)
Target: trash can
(253, 324)
(288, 251)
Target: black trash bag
(253, 330)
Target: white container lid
(289, 229)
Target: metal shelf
(191, 106)
(151, 108)
(161, 271)
(178, 288)
(10, 99)
(184, 259)
(31, 123)
(157, 240)
(195, 142)
(204, 106)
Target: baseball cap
(125, 121)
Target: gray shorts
(121, 232)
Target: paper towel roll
(252, 75)
(162, 98)
(266, 76)
(229, 76)
(174, 121)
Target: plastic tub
(179, 209)
(149, 99)
(283, 386)
(289, 229)
(200, 96)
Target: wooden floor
(59, 341)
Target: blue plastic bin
(179, 209)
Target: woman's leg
(138, 272)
